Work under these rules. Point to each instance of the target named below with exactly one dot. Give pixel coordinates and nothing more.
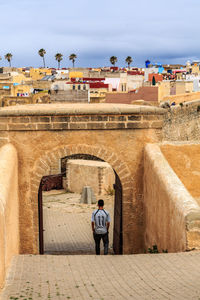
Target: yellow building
(75, 74)
(37, 74)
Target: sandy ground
(185, 161)
(67, 223)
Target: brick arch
(42, 168)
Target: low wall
(181, 98)
(99, 175)
(9, 210)
(172, 216)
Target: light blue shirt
(100, 217)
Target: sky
(163, 31)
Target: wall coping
(173, 185)
(185, 104)
(79, 109)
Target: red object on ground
(52, 182)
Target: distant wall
(146, 93)
(182, 123)
(98, 175)
(181, 98)
(172, 216)
(71, 96)
(9, 209)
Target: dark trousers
(97, 238)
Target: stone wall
(71, 96)
(9, 208)
(144, 93)
(172, 216)
(182, 122)
(181, 98)
(98, 175)
(43, 134)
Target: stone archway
(42, 168)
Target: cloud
(161, 30)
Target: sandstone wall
(98, 175)
(172, 216)
(43, 134)
(181, 98)
(9, 209)
(182, 122)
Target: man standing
(100, 225)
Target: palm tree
(8, 56)
(113, 60)
(129, 60)
(58, 57)
(41, 53)
(73, 57)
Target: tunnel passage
(54, 182)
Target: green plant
(109, 191)
(164, 251)
(154, 249)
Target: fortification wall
(9, 208)
(182, 122)
(43, 134)
(181, 98)
(172, 216)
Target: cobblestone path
(78, 277)
(67, 223)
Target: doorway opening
(64, 222)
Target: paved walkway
(146, 276)
(67, 223)
(84, 277)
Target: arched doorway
(118, 194)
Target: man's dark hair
(100, 202)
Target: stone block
(20, 120)
(115, 125)
(117, 118)
(77, 125)
(4, 120)
(134, 118)
(20, 127)
(99, 118)
(138, 125)
(43, 126)
(3, 126)
(39, 119)
(80, 119)
(95, 126)
(59, 119)
(60, 126)
(88, 196)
